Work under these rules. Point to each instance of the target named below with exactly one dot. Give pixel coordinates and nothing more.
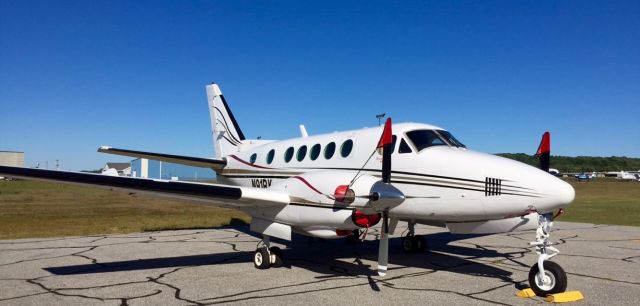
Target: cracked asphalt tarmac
(214, 266)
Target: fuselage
(442, 180)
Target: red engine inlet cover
(363, 220)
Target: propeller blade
(383, 247)
(544, 151)
(386, 141)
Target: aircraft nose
(564, 193)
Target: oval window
(302, 152)
(270, 156)
(288, 154)
(346, 148)
(329, 150)
(315, 151)
(253, 158)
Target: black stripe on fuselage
(412, 173)
(400, 182)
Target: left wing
(215, 194)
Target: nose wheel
(546, 277)
(552, 280)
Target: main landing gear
(265, 256)
(412, 243)
(546, 277)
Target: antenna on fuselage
(380, 117)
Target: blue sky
(75, 75)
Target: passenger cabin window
(270, 156)
(288, 154)
(452, 140)
(404, 147)
(346, 147)
(315, 151)
(253, 158)
(302, 152)
(423, 139)
(329, 150)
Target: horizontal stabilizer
(214, 194)
(214, 164)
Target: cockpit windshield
(452, 140)
(423, 139)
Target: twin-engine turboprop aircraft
(331, 185)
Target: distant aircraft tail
(227, 135)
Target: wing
(215, 164)
(214, 194)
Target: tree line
(581, 163)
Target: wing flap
(215, 194)
(215, 164)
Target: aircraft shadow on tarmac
(333, 258)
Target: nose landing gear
(546, 277)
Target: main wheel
(276, 257)
(420, 243)
(553, 280)
(261, 258)
(408, 244)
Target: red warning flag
(387, 137)
(545, 144)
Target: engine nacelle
(363, 220)
(323, 232)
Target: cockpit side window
(404, 147)
(423, 139)
(452, 140)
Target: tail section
(227, 135)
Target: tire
(276, 257)
(420, 243)
(555, 272)
(408, 244)
(261, 259)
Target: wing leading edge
(215, 194)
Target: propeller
(384, 196)
(544, 150)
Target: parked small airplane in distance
(331, 185)
(585, 176)
(626, 176)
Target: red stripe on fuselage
(248, 163)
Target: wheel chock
(526, 293)
(564, 297)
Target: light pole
(380, 116)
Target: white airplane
(623, 175)
(333, 184)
